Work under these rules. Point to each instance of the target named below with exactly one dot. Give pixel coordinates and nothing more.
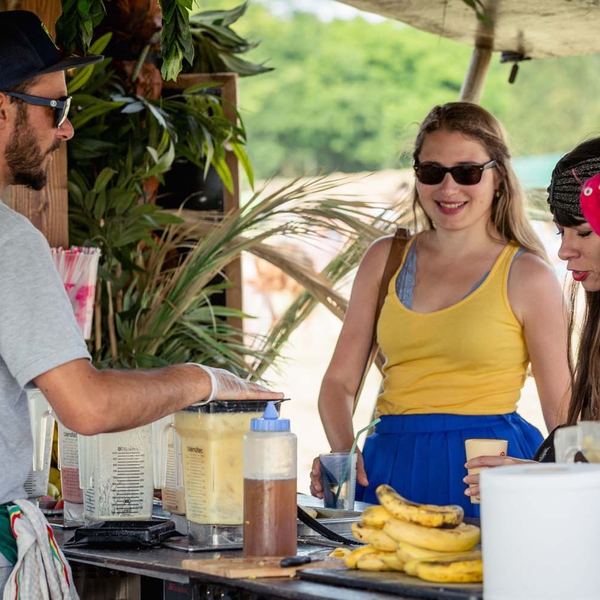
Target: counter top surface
(165, 563)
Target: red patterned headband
(590, 202)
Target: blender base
(187, 545)
(204, 538)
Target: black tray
(399, 584)
(122, 534)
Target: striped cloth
(41, 571)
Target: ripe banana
(382, 541)
(447, 557)
(460, 568)
(351, 559)
(392, 560)
(428, 515)
(374, 561)
(407, 552)
(339, 552)
(362, 532)
(459, 539)
(375, 516)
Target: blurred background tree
(347, 94)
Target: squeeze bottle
(270, 509)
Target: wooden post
(48, 208)
(231, 201)
(474, 80)
(234, 294)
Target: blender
(68, 460)
(116, 475)
(42, 428)
(212, 446)
(168, 469)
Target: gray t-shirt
(38, 332)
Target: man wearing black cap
(40, 342)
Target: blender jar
(168, 465)
(212, 438)
(116, 475)
(68, 458)
(42, 428)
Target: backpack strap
(401, 238)
(399, 242)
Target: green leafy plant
(162, 274)
(217, 46)
(154, 298)
(120, 130)
(79, 18)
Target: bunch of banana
(369, 558)
(375, 537)
(428, 515)
(380, 552)
(462, 567)
(461, 538)
(425, 540)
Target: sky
(326, 10)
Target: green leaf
(241, 155)
(218, 162)
(103, 179)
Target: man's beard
(24, 156)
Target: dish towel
(41, 571)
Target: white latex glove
(227, 386)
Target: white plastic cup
(475, 447)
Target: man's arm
(90, 401)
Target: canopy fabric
(533, 28)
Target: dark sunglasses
(432, 174)
(61, 105)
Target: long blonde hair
(508, 216)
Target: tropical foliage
(154, 302)
(218, 46)
(75, 29)
(161, 275)
(356, 105)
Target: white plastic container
(116, 474)
(42, 428)
(581, 438)
(168, 465)
(68, 458)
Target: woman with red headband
(574, 199)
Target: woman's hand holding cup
(477, 464)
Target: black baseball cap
(27, 50)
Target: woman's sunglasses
(432, 174)
(60, 105)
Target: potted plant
(155, 296)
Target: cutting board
(389, 582)
(243, 568)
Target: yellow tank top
(467, 359)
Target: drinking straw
(78, 267)
(350, 455)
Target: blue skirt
(423, 456)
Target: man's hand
(227, 386)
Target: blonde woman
(472, 305)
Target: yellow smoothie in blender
(212, 445)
